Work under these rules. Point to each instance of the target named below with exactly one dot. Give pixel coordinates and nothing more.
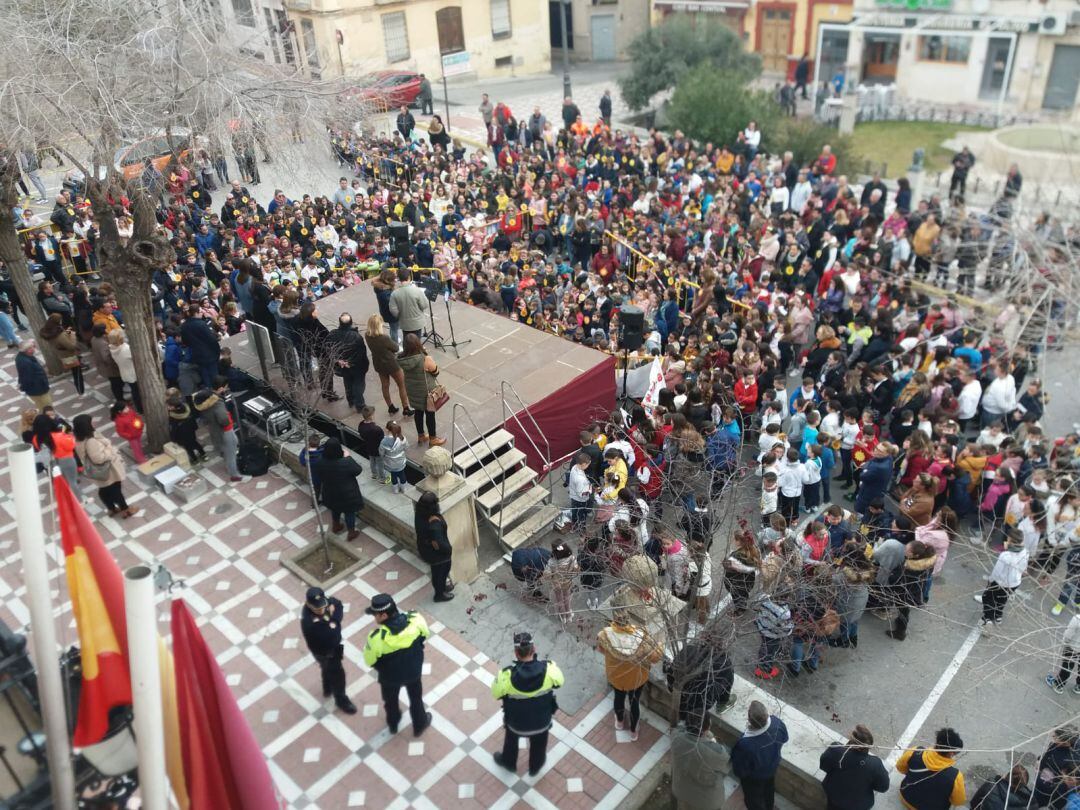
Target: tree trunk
(11, 253)
(133, 297)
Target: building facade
(781, 31)
(1003, 55)
(599, 30)
(353, 37)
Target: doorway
(1061, 84)
(555, 9)
(994, 78)
(602, 28)
(881, 53)
(451, 31)
(775, 42)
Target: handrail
(506, 384)
(629, 255)
(455, 431)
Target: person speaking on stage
(409, 304)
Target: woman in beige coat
(102, 464)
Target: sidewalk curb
(646, 786)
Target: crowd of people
(801, 342)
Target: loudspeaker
(632, 327)
(399, 239)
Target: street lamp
(565, 50)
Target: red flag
(223, 765)
(97, 601)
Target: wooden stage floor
(534, 362)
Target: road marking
(935, 695)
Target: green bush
(804, 138)
(661, 56)
(713, 105)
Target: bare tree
(13, 257)
(304, 368)
(92, 79)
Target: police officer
(527, 691)
(396, 649)
(320, 622)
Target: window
(504, 61)
(451, 31)
(311, 47)
(285, 28)
(244, 13)
(272, 33)
(395, 36)
(500, 19)
(937, 48)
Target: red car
(394, 87)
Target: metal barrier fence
(630, 257)
(384, 169)
(69, 248)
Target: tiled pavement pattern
(227, 547)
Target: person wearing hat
(852, 774)
(931, 778)
(395, 648)
(320, 624)
(527, 691)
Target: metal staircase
(510, 495)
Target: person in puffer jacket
(629, 653)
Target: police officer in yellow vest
(527, 691)
(396, 650)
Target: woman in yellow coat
(629, 653)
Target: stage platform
(535, 363)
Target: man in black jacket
(313, 345)
(351, 357)
(405, 123)
(203, 343)
(852, 773)
(320, 623)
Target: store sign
(455, 64)
(958, 22)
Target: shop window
(937, 48)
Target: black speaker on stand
(399, 240)
(631, 336)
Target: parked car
(130, 159)
(394, 87)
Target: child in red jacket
(129, 426)
(746, 395)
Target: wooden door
(775, 39)
(451, 31)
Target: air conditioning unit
(1074, 17)
(1052, 24)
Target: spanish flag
(97, 600)
(224, 768)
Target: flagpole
(31, 531)
(149, 724)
